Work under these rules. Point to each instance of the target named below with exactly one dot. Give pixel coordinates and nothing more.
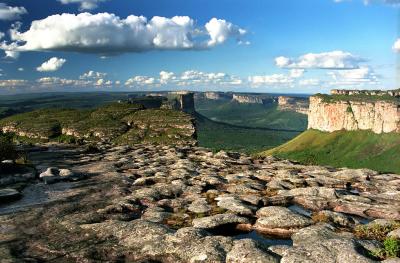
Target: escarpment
(120, 123)
(296, 104)
(329, 113)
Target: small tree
(7, 148)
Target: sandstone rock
(199, 206)
(215, 221)
(320, 243)
(336, 218)
(280, 221)
(247, 250)
(279, 249)
(234, 205)
(379, 116)
(395, 234)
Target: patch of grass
(353, 149)
(375, 231)
(391, 249)
(319, 217)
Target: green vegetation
(357, 97)
(249, 128)
(251, 115)
(123, 123)
(222, 136)
(391, 249)
(353, 149)
(375, 231)
(7, 148)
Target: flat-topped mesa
(392, 93)
(250, 99)
(247, 99)
(181, 101)
(296, 104)
(352, 112)
(217, 95)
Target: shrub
(375, 231)
(7, 148)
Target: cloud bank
(108, 34)
(326, 60)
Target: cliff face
(299, 105)
(378, 116)
(247, 99)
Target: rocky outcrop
(296, 104)
(379, 116)
(249, 99)
(217, 95)
(154, 203)
(181, 101)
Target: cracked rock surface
(150, 203)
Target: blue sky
(253, 45)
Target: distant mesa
(300, 105)
(351, 110)
(252, 99)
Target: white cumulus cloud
(108, 34)
(326, 60)
(360, 76)
(396, 45)
(52, 64)
(220, 30)
(11, 13)
(93, 75)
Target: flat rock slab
(211, 222)
(280, 221)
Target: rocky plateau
(154, 203)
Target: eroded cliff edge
(378, 114)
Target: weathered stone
(199, 206)
(211, 222)
(320, 243)
(234, 205)
(280, 221)
(247, 250)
